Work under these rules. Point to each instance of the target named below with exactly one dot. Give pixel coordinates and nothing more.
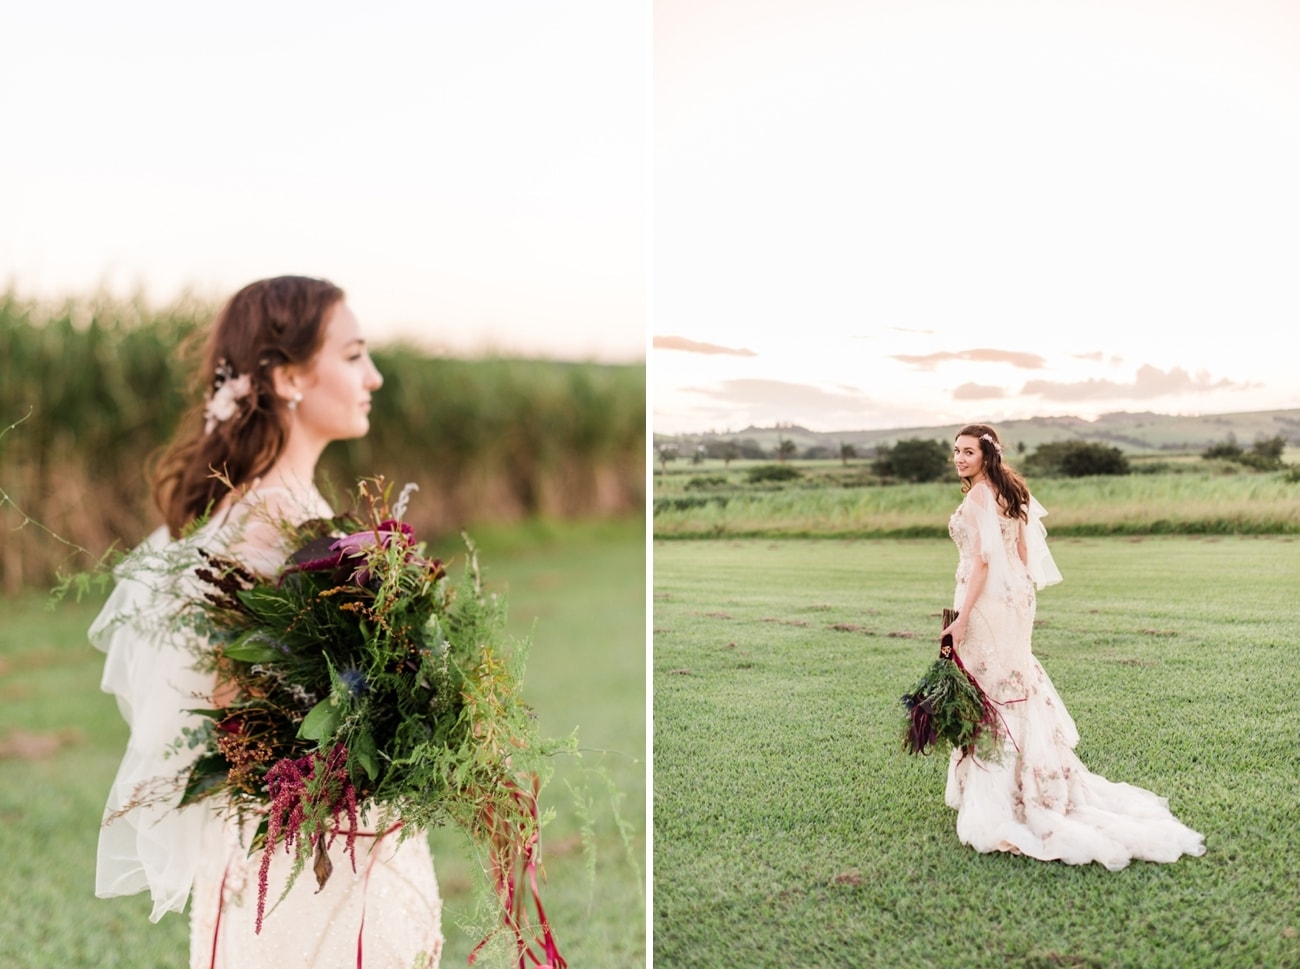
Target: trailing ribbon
(510, 860)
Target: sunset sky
(893, 214)
(473, 174)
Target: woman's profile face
(337, 384)
(967, 456)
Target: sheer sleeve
(1041, 565)
(147, 842)
(982, 513)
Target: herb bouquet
(362, 676)
(947, 708)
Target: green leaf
(249, 652)
(321, 721)
(208, 773)
(366, 753)
(254, 646)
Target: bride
(287, 372)
(1039, 800)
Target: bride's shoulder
(979, 494)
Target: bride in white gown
(1039, 800)
(289, 373)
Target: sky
(916, 213)
(475, 175)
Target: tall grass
(1188, 503)
(96, 385)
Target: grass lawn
(578, 589)
(790, 829)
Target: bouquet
(362, 676)
(948, 707)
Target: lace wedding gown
(385, 914)
(1041, 800)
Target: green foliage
(772, 473)
(689, 502)
(1227, 450)
(1264, 455)
(788, 825)
(707, 482)
(1078, 459)
(913, 459)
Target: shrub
(913, 459)
(688, 502)
(772, 472)
(707, 482)
(1078, 459)
(1264, 455)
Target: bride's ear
(287, 381)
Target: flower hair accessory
(989, 437)
(227, 391)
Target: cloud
(978, 392)
(766, 402)
(693, 346)
(1148, 382)
(1097, 356)
(780, 393)
(1018, 359)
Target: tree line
(922, 459)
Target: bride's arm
(975, 583)
(976, 510)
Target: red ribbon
(509, 863)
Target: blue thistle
(354, 681)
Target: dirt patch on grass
(786, 622)
(33, 745)
(848, 627)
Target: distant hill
(1133, 433)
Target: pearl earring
(295, 400)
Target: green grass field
(579, 589)
(789, 829)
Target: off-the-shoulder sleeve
(147, 842)
(1042, 567)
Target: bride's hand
(956, 629)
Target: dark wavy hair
(267, 324)
(1008, 484)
